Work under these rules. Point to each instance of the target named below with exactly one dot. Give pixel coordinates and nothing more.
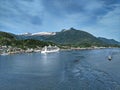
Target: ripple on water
(93, 78)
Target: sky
(98, 17)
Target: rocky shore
(6, 50)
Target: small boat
(49, 49)
(109, 58)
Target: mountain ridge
(38, 35)
(72, 37)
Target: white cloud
(111, 19)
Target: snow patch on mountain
(44, 33)
(38, 34)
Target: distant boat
(109, 58)
(49, 49)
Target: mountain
(109, 41)
(36, 36)
(74, 37)
(70, 37)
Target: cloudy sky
(98, 17)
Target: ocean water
(64, 70)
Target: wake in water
(88, 77)
(96, 79)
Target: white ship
(49, 49)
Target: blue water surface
(64, 70)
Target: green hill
(6, 35)
(6, 38)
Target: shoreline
(39, 51)
(89, 48)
